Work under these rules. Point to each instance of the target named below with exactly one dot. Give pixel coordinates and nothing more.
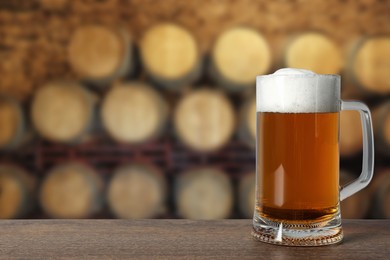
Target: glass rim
(311, 76)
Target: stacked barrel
(96, 138)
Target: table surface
(363, 239)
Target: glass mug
(297, 158)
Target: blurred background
(146, 109)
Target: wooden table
(364, 239)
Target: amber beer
(297, 153)
(298, 166)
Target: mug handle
(368, 150)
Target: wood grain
(313, 51)
(203, 193)
(137, 191)
(17, 191)
(364, 239)
(71, 190)
(170, 55)
(63, 111)
(369, 64)
(100, 54)
(199, 128)
(238, 56)
(133, 112)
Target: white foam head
(297, 91)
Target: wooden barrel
(204, 119)
(71, 190)
(369, 65)
(12, 123)
(63, 111)
(247, 121)
(238, 56)
(204, 193)
(134, 112)
(313, 51)
(137, 191)
(381, 125)
(247, 194)
(380, 190)
(357, 205)
(100, 54)
(351, 137)
(17, 192)
(170, 55)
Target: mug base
(279, 233)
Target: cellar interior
(147, 109)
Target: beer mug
(297, 158)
